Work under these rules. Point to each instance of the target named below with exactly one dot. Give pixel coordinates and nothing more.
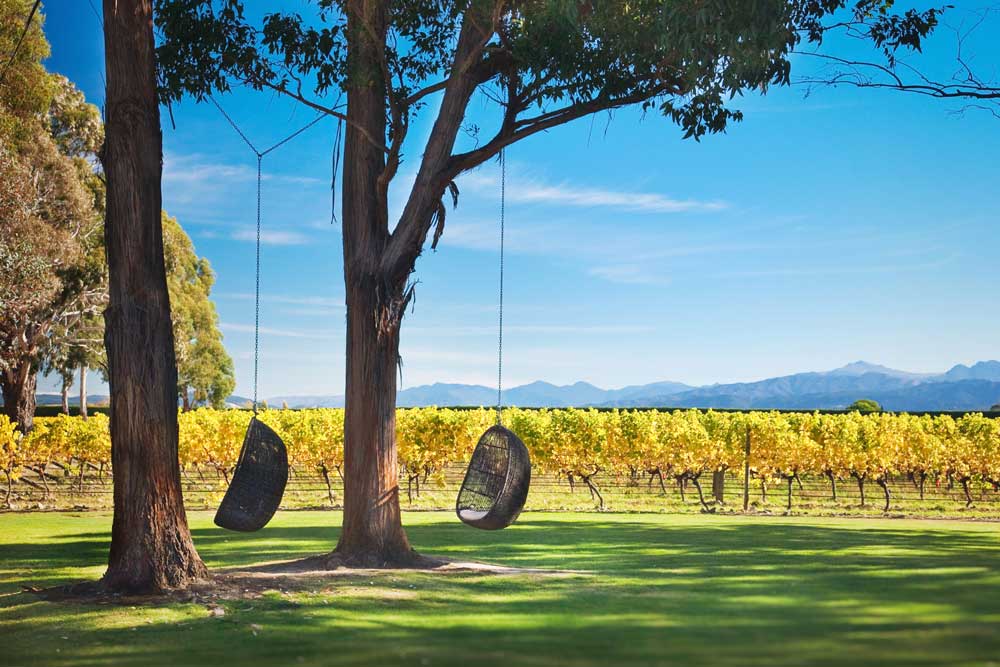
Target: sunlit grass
(654, 589)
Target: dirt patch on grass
(316, 573)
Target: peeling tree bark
(151, 547)
(83, 391)
(64, 397)
(18, 386)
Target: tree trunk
(884, 483)
(659, 476)
(83, 391)
(185, 400)
(746, 472)
(329, 487)
(968, 493)
(151, 547)
(719, 486)
(594, 491)
(64, 397)
(18, 386)
(701, 494)
(373, 533)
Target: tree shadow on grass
(728, 593)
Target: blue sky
(822, 229)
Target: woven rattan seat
(258, 481)
(496, 483)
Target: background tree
(151, 547)
(77, 128)
(864, 405)
(203, 365)
(538, 64)
(50, 242)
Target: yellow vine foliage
(570, 441)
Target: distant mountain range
(975, 387)
(962, 387)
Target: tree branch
(283, 90)
(524, 128)
(407, 240)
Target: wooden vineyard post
(719, 486)
(746, 472)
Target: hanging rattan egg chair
(496, 483)
(258, 481)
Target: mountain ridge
(961, 387)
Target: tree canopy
(203, 365)
(864, 405)
(51, 253)
(540, 63)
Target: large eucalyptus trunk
(18, 384)
(372, 533)
(151, 547)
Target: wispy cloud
(629, 274)
(282, 333)
(566, 194)
(325, 301)
(864, 269)
(531, 329)
(188, 169)
(277, 237)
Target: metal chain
(503, 202)
(256, 294)
(260, 159)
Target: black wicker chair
(496, 484)
(258, 481)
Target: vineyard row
(579, 447)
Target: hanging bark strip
(151, 547)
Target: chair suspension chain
(503, 199)
(260, 159)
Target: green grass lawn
(658, 589)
